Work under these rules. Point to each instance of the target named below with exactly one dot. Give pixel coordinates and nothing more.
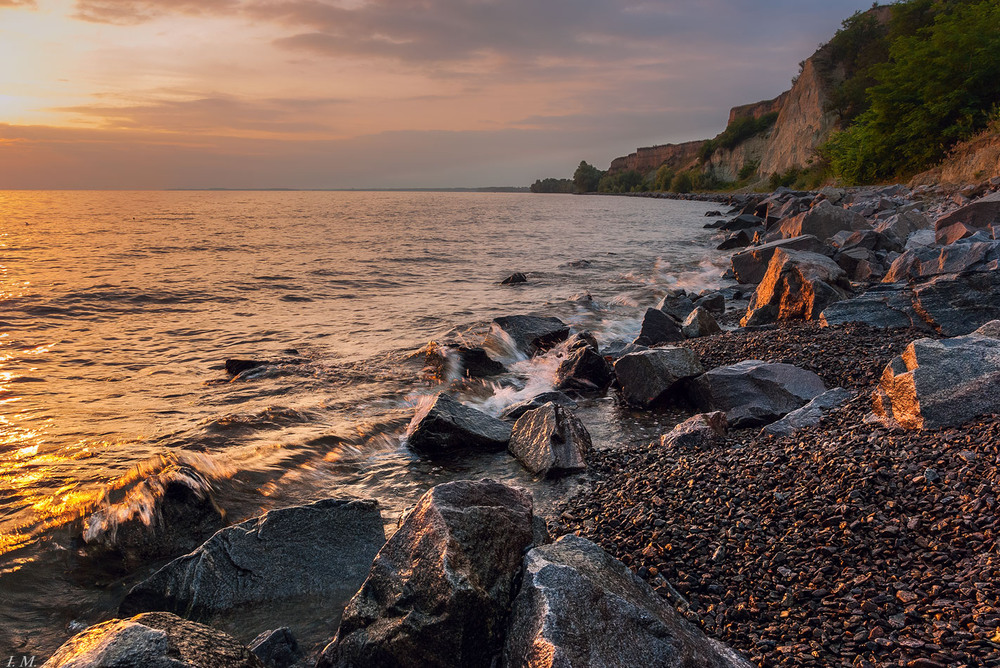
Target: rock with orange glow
(550, 440)
(578, 606)
(798, 285)
(445, 425)
(439, 591)
(152, 640)
(323, 548)
(940, 383)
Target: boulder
(901, 227)
(450, 362)
(550, 440)
(754, 393)
(778, 211)
(152, 640)
(957, 305)
(653, 375)
(524, 334)
(740, 239)
(886, 305)
(744, 221)
(990, 329)
(514, 279)
(822, 221)
(699, 323)
(798, 285)
(277, 648)
(324, 548)
(177, 512)
(810, 414)
(676, 306)
(514, 411)
(984, 213)
(700, 431)
(860, 264)
(657, 328)
(940, 383)
(871, 240)
(925, 262)
(583, 370)
(713, 302)
(578, 606)
(443, 425)
(750, 265)
(439, 591)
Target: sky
(376, 93)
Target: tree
(586, 177)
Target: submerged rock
(324, 548)
(445, 425)
(657, 328)
(940, 383)
(152, 640)
(514, 279)
(439, 591)
(797, 286)
(550, 440)
(754, 393)
(810, 414)
(699, 431)
(578, 606)
(526, 334)
(653, 375)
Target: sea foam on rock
(527, 334)
(578, 606)
(321, 549)
(440, 589)
(443, 425)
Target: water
(119, 308)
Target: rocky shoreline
(829, 500)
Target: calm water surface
(119, 307)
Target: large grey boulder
(152, 640)
(649, 376)
(439, 591)
(886, 305)
(926, 262)
(321, 549)
(700, 323)
(810, 414)
(524, 334)
(902, 226)
(698, 431)
(940, 383)
(957, 305)
(822, 221)
(657, 328)
(579, 607)
(754, 393)
(798, 285)
(583, 369)
(676, 305)
(444, 426)
(550, 440)
(984, 213)
(990, 329)
(750, 265)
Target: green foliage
(860, 44)
(736, 133)
(748, 170)
(622, 182)
(552, 185)
(938, 87)
(664, 176)
(586, 177)
(682, 183)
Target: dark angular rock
(550, 440)
(754, 393)
(822, 221)
(578, 606)
(750, 265)
(583, 370)
(699, 323)
(743, 222)
(887, 305)
(676, 306)
(798, 285)
(453, 361)
(981, 214)
(514, 279)
(237, 366)
(152, 640)
(940, 383)
(652, 375)
(439, 591)
(714, 302)
(965, 257)
(324, 548)
(444, 425)
(514, 411)
(277, 648)
(810, 414)
(524, 334)
(699, 431)
(860, 264)
(958, 305)
(657, 328)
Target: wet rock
(514, 279)
(750, 266)
(653, 375)
(744, 221)
(152, 640)
(887, 305)
(810, 414)
(276, 648)
(439, 591)
(176, 512)
(525, 334)
(740, 239)
(657, 328)
(699, 431)
(583, 370)
(514, 411)
(237, 366)
(550, 440)
(324, 548)
(798, 285)
(578, 606)
(713, 214)
(754, 393)
(675, 306)
(450, 362)
(821, 221)
(957, 306)
(939, 383)
(699, 323)
(444, 425)
(713, 302)
(618, 349)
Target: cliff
(972, 161)
(757, 109)
(650, 158)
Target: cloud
(131, 12)
(17, 3)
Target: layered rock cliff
(651, 158)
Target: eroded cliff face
(758, 109)
(726, 164)
(802, 125)
(650, 158)
(972, 161)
